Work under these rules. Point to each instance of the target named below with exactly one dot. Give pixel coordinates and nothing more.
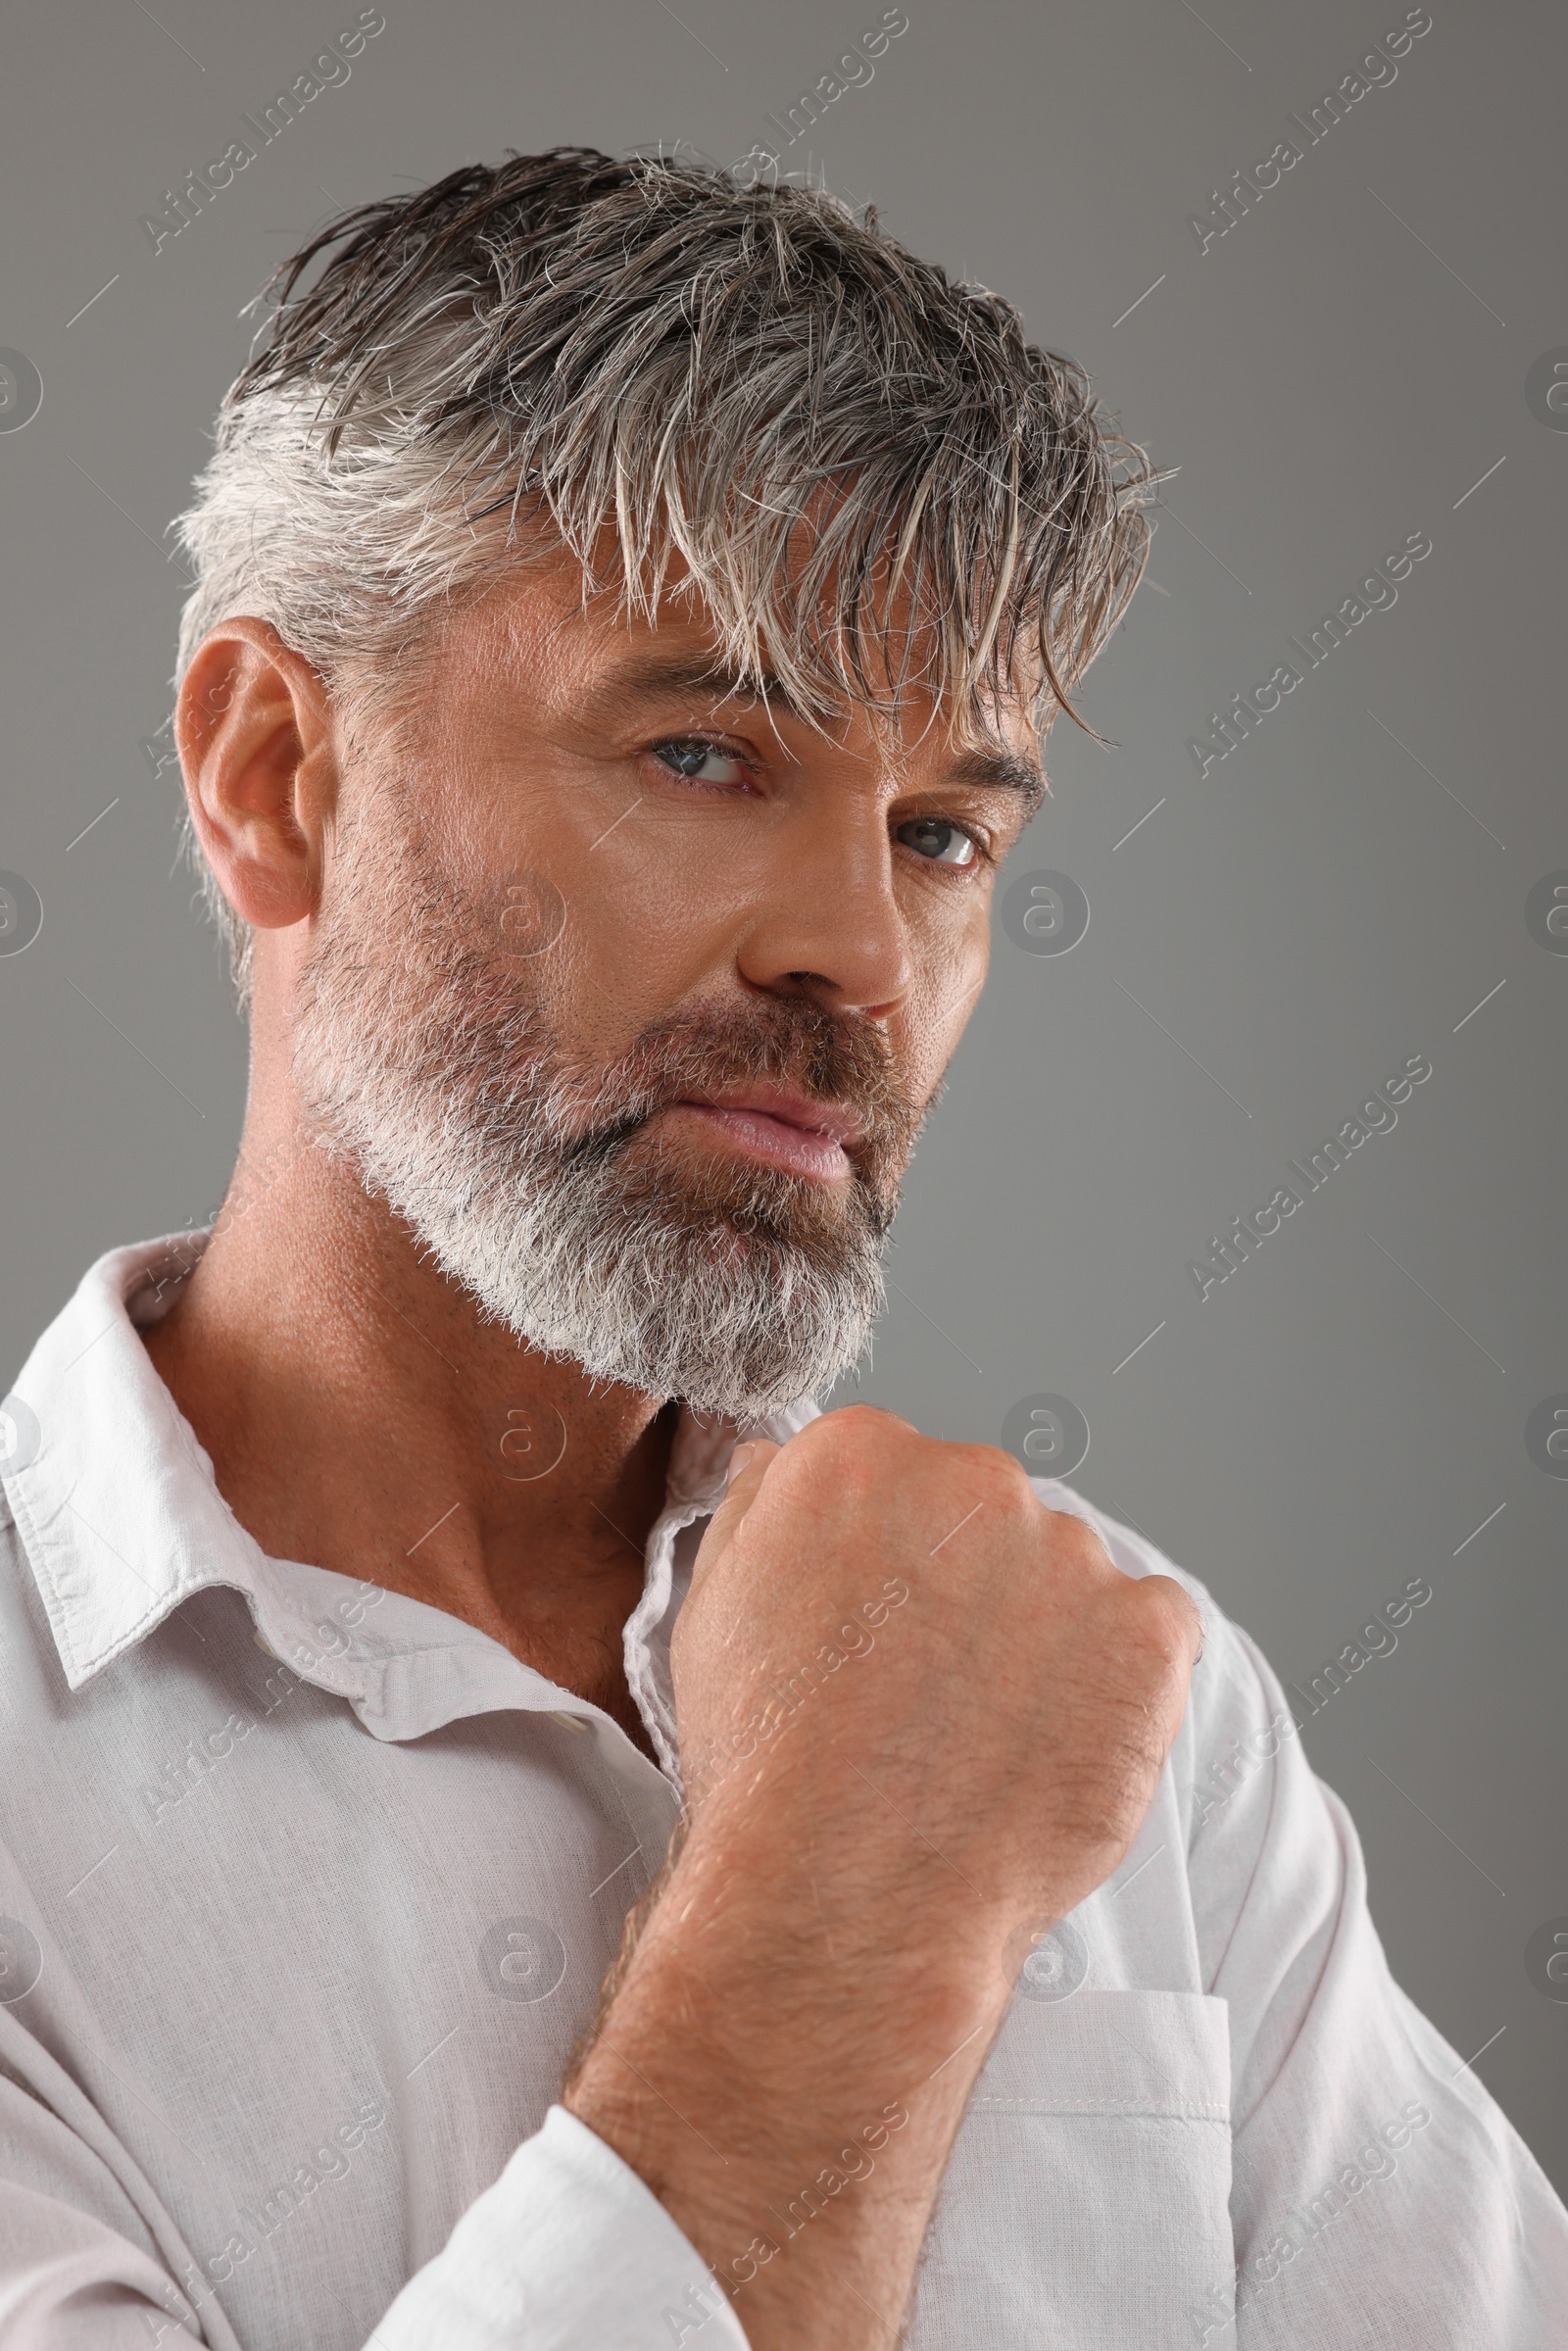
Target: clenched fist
(884, 1629)
(920, 1719)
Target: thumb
(747, 1469)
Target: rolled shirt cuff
(570, 2250)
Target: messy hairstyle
(567, 350)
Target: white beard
(430, 1066)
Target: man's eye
(688, 756)
(942, 843)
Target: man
(491, 1859)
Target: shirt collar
(121, 1520)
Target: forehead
(545, 621)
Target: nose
(830, 928)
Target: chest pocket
(1086, 2204)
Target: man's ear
(258, 752)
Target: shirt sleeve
(70, 2284)
(1380, 2195)
(570, 2250)
(81, 2268)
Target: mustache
(831, 1058)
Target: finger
(752, 1453)
(1182, 1610)
(747, 1470)
(869, 1411)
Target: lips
(789, 1110)
(787, 1130)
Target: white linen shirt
(306, 1890)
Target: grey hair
(565, 342)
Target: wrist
(745, 2037)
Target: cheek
(611, 928)
(951, 953)
(651, 921)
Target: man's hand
(881, 1626)
(921, 1718)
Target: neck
(360, 1416)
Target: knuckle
(1173, 1616)
(851, 1428)
(1075, 1540)
(846, 1455)
(1000, 1482)
(1144, 1647)
(849, 1417)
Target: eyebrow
(1000, 771)
(647, 678)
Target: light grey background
(1334, 373)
